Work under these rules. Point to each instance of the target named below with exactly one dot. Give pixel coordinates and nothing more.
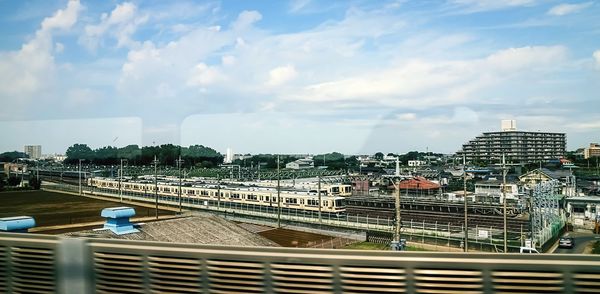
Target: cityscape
(300, 147)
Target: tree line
(195, 155)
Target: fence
(48, 264)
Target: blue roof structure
(18, 224)
(117, 212)
(117, 220)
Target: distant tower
(509, 125)
(229, 156)
(34, 151)
(397, 166)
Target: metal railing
(48, 264)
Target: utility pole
(278, 195)
(120, 174)
(398, 217)
(155, 161)
(218, 191)
(466, 247)
(504, 201)
(319, 193)
(179, 162)
(80, 176)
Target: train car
(262, 196)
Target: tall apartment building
(34, 151)
(517, 146)
(592, 151)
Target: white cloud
(564, 9)
(228, 60)
(596, 56)
(525, 57)
(246, 19)
(121, 24)
(30, 69)
(488, 5)
(63, 18)
(297, 5)
(59, 47)
(407, 116)
(455, 80)
(281, 75)
(204, 75)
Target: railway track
(442, 218)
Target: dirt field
(50, 209)
(290, 238)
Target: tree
(12, 156)
(106, 155)
(378, 156)
(79, 151)
(132, 153)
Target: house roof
(553, 174)
(419, 183)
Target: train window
(313, 202)
(339, 203)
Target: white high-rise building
(33, 151)
(509, 125)
(229, 156)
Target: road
(582, 239)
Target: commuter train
(261, 196)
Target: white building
(304, 163)
(55, 157)
(417, 163)
(228, 156)
(33, 151)
(509, 125)
(495, 188)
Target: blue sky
(301, 76)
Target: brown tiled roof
(418, 183)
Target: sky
(298, 76)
